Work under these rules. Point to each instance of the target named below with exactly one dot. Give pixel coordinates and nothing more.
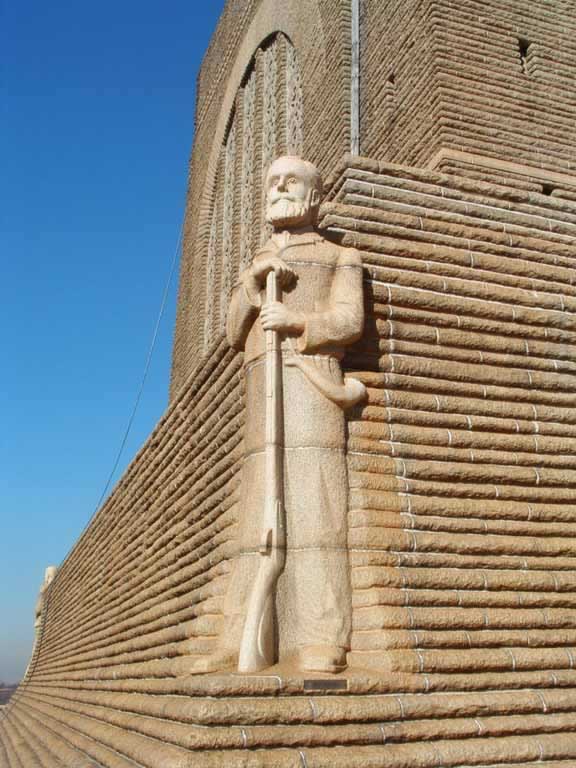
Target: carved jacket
(328, 292)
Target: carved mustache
(287, 197)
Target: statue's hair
(50, 572)
(311, 169)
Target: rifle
(258, 645)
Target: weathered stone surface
(461, 465)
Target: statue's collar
(282, 239)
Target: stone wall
(472, 87)
(461, 535)
(461, 463)
(494, 79)
(462, 466)
(316, 33)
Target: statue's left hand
(277, 317)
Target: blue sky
(97, 123)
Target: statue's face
(291, 196)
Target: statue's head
(49, 574)
(293, 193)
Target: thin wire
(146, 370)
(26, 680)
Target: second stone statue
(301, 300)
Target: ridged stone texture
(461, 463)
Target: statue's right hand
(266, 262)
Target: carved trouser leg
(313, 595)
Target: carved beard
(284, 212)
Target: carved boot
(322, 658)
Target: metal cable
(145, 374)
(138, 394)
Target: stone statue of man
(321, 312)
(49, 575)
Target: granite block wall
(461, 463)
(461, 529)
(490, 78)
(319, 33)
(482, 88)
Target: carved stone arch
(321, 58)
(218, 256)
(266, 119)
(272, 18)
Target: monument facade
(294, 497)
(350, 540)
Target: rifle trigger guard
(267, 541)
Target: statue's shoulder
(346, 257)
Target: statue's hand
(266, 262)
(277, 317)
